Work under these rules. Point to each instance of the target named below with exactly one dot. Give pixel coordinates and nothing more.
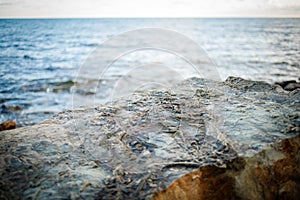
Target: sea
(44, 63)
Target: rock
(289, 85)
(208, 182)
(292, 86)
(201, 139)
(273, 173)
(8, 109)
(285, 83)
(8, 125)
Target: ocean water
(40, 58)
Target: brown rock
(258, 177)
(7, 109)
(8, 125)
(209, 182)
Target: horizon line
(200, 17)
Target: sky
(148, 8)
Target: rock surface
(274, 173)
(7, 125)
(289, 85)
(237, 139)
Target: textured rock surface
(289, 85)
(236, 139)
(7, 125)
(274, 173)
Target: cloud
(5, 3)
(286, 4)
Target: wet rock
(285, 83)
(292, 86)
(8, 109)
(289, 85)
(8, 125)
(201, 139)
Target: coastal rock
(201, 139)
(8, 109)
(8, 125)
(273, 173)
(285, 83)
(292, 86)
(289, 85)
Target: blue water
(39, 58)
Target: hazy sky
(149, 8)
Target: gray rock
(289, 85)
(137, 146)
(292, 86)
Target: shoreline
(289, 85)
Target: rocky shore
(202, 139)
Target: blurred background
(40, 58)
